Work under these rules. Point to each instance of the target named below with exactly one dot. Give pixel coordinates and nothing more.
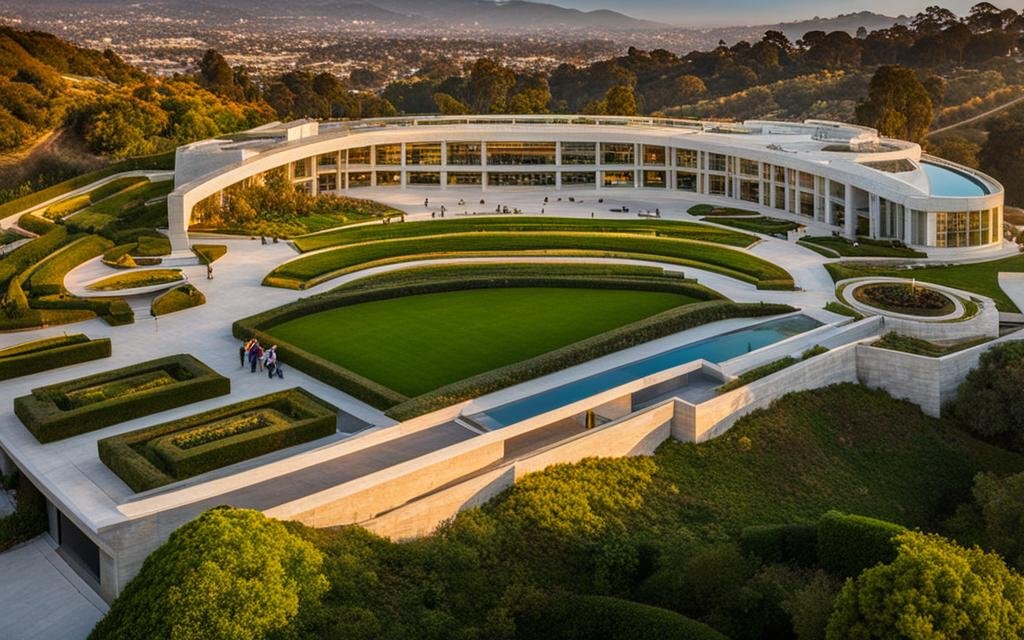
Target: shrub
(933, 588)
(179, 449)
(43, 415)
(152, 245)
(795, 543)
(989, 403)
(48, 278)
(31, 253)
(184, 297)
(15, 302)
(137, 279)
(848, 544)
(28, 519)
(50, 353)
(575, 617)
(230, 573)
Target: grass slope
(418, 343)
(980, 277)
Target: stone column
(851, 214)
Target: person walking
(244, 351)
(255, 357)
(273, 366)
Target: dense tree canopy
(898, 105)
(989, 402)
(231, 573)
(934, 589)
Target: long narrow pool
(715, 349)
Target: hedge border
(40, 414)
(75, 349)
(141, 472)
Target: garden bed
(50, 353)
(178, 299)
(172, 451)
(896, 342)
(702, 210)
(66, 409)
(904, 298)
(864, 247)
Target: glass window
(359, 155)
(716, 185)
(575, 178)
(464, 153)
(686, 158)
(655, 179)
(388, 153)
(780, 174)
(389, 178)
(521, 179)
(305, 187)
(748, 167)
(327, 182)
(806, 203)
(654, 155)
(837, 190)
(780, 197)
(686, 181)
(329, 160)
(750, 190)
(766, 172)
(423, 177)
(838, 214)
(715, 162)
(918, 227)
(617, 153)
(519, 153)
(461, 178)
(579, 153)
(423, 153)
(300, 168)
(806, 181)
(359, 179)
(617, 178)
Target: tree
(933, 589)
(620, 101)
(988, 402)
(449, 106)
(956, 149)
(688, 88)
(215, 73)
(230, 573)
(898, 105)
(488, 86)
(1000, 503)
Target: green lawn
(980, 277)
(312, 269)
(418, 343)
(664, 228)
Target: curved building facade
(842, 176)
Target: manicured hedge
(319, 267)
(32, 252)
(137, 279)
(115, 311)
(577, 617)
(630, 335)
(795, 542)
(382, 397)
(42, 415)
(177, 299)
(848, 544)
(48, 278)
(147, 458)
(50, 353)
(35, 224)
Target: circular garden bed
(905, 298)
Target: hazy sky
(743, 12)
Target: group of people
(260, 358)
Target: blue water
(950, 182)
(715, 349)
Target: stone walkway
(1012, 285)
(42, 597)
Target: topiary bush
(795, 542)
(848, 544)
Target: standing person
(273, 366)
(255, 354)
(243, 351)
(426, 202)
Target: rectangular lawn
(418, 343)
